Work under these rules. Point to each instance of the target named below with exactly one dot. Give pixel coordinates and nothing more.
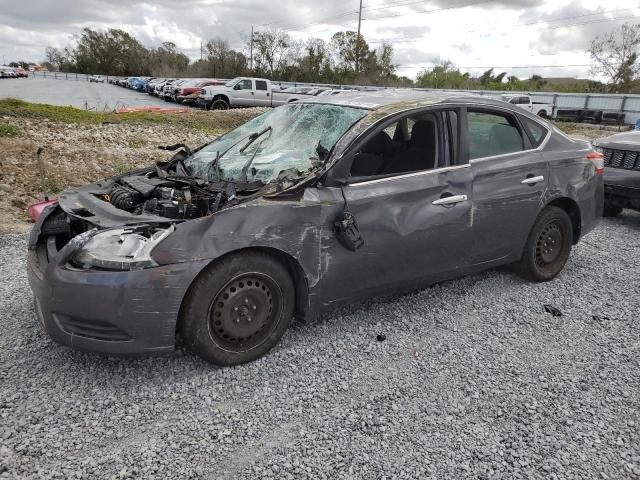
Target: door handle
(452, 200)
(532, 180)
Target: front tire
(238, 309)
(548, 246)
(219, 105)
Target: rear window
(536, 131)
(492, 134)
(261, 85)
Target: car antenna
(41, 172)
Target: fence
(629, 105)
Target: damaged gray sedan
(309, 206)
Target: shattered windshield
(292, 138)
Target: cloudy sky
(549, 37)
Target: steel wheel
(245, 312)
(549, 245)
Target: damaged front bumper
(113, 312)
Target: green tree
(615, 56)
(443, 75)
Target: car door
(243, 93)
(510, 178)
(262, 94)
(416, 228)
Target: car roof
(403, 99)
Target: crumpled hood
(82, 203)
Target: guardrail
(627, 105)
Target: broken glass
(297, 132)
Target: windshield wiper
(253, 137)
(216, 161)
(215, 164)
(246, 166)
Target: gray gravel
(474, 380)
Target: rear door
(510, 177)
(262, 94)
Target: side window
(244, 85)
(492, 134)
(536, 131)
(524, 100)
(396, 154)
(261, 85)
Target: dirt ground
(76, 154)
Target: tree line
(346, 59)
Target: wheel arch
(572, 209)
(294, 268)
(221, 96)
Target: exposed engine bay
(169, 197)
(169, 190)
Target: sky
(547, 37)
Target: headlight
(597, 148)
(121, 248)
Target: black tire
(611, 210)
(219, 104)
(548, 246)
(543, 114)
(238, 309)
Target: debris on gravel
(474, 381)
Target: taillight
(598, 161)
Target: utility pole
(358, 38)
(251, 51)
(200, 50)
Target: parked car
(187, 90)
(621, 171)
(97, 78)
(245, 92)
(312, 205)
(336, 92)
(7, 72)
(544, 110)
(21, 72)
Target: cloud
(468, 32)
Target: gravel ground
(474, 380)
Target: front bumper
(622, 188)
(124, 313)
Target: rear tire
(611, 210)
(219, 105)
(543, 114)
(238, 309)
(548, 246)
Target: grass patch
(198, 120)
(8, 130)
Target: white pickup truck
(244, 92)
(544, 110)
